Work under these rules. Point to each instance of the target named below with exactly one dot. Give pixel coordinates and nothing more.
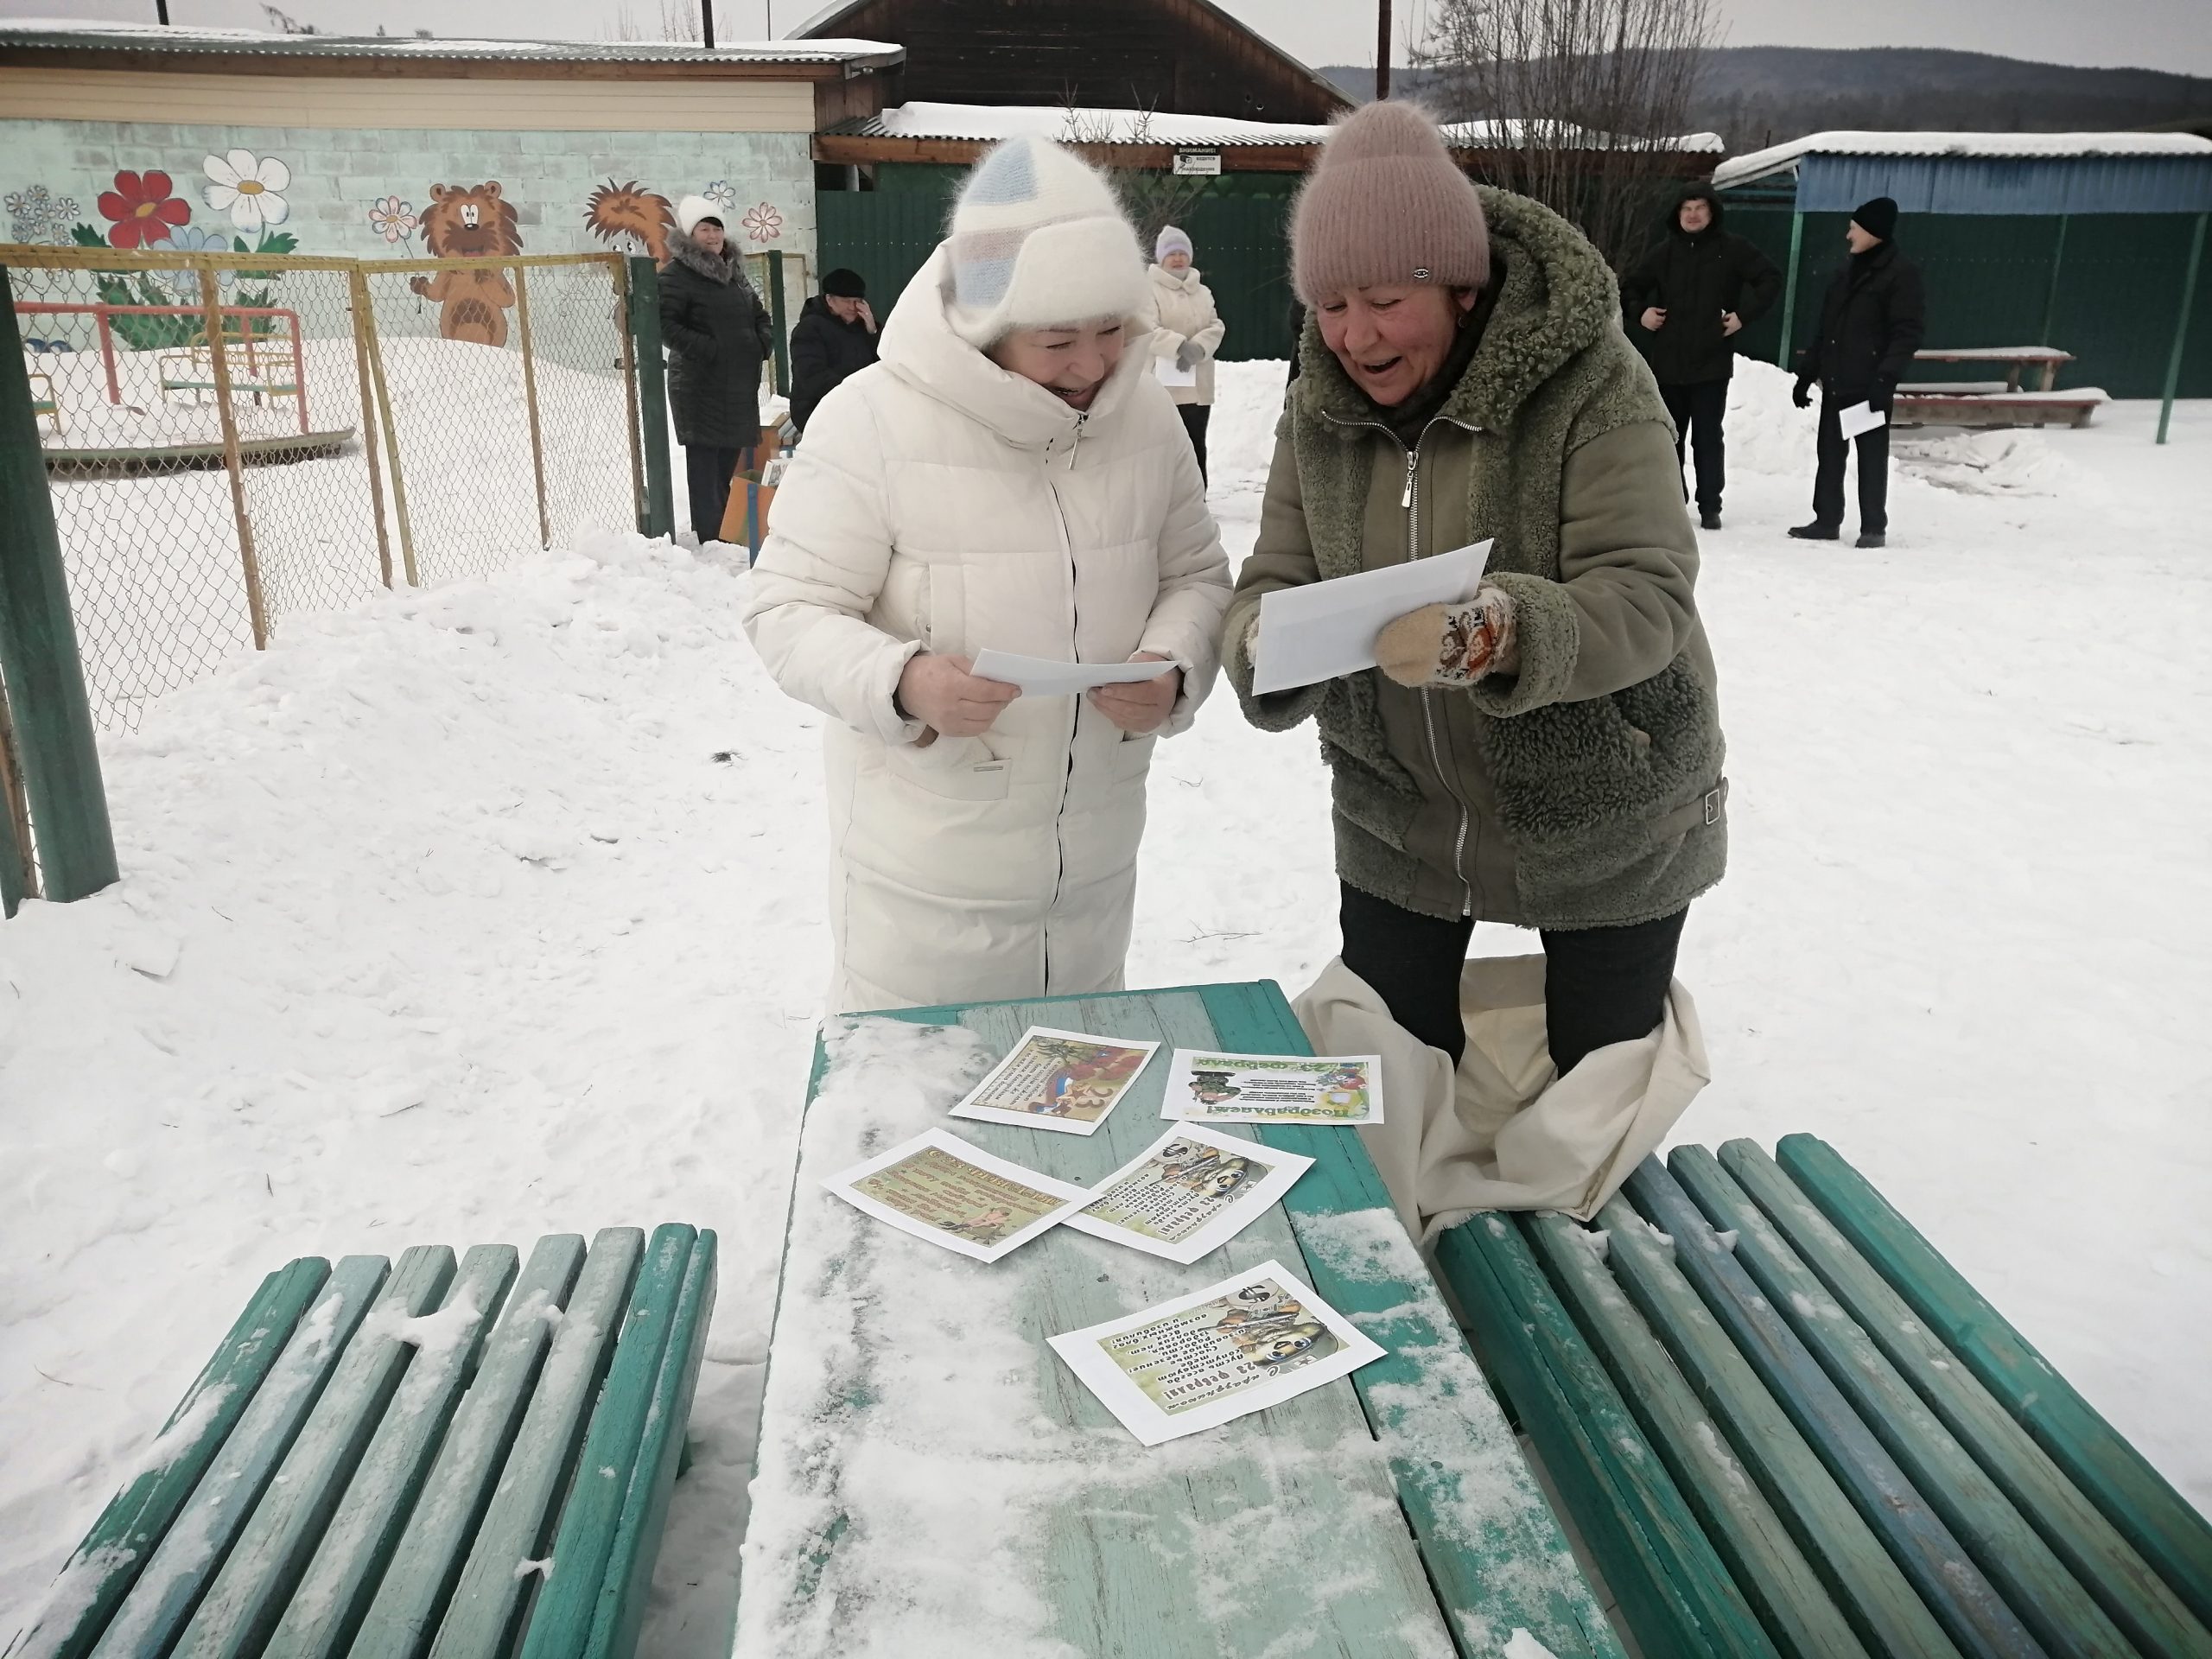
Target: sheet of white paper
(1039, 678)
(1855, 418)
(1205, 1359)
(1206, 1086)
(1189, 1193)
(1171, 375)
(1063, 1080)
(938, 1187)
(1325, 629)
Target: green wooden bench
(1783, 1425)
(466, 1460)
(1386, 1514)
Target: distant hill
(1757, 95)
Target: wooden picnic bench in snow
(1784, 1425)
(391, 1461)
(1995, 403)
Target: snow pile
(2004, 462)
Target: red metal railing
(102, 312)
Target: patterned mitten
(1452, 644)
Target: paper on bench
(1039, 678)
(1326, 629)
(1854, 418)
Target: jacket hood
(1697, 192)
(920, 346)
(714, 267)
(1557, 299)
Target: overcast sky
(2174, 34)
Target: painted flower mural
(35, 215)
(763, 223)
(393, 218)
(722, 193)
(250, 190)
(142, 209)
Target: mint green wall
(336, 176)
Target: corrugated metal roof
(70, 35)
(2009, 146)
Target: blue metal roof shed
(2061, 175)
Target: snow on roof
(1742, 169)
(75, 34)
(987, 122)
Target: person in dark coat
(718, 335)
(1685, 302)
(836, 337)
(1873, 320)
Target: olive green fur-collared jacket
(1585, 791)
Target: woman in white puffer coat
(1010, 474)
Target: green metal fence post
(1784, 355)
(659, 516)
(776, 316)
(2050, 297)
(38, 650)
(2181, 324)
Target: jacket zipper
(1075, 720)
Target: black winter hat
(1877, 218)
(844, 284)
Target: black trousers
(1601, 984)
(1699, 409)
(1194, 422)
(707, 469)
(1874, 469)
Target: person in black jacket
(836, 337)
(1873, 320)
(1684, 303)
(718, 335)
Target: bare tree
(1153, 197)
(1584, 100)
(678, 21)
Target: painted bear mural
(472, 222)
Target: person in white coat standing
(1009, 475)
(1187, 331)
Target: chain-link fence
(233, 439)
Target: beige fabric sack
(1505, 1134)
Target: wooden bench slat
(1678, 1596)
(103, 1567)
(2035, 1583)
(273, 1548)
(187, 1557)
(415, 1588)
(560, 1624)
(2149, 1513)
(1867, 1586)
(1494, 1551)
(1938, 1567)
(628, 1578)
(325, 1609)
(2139, 1600)
(479, 1621)
(1765, 1560)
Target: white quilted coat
(940, 503)
(1182, 308)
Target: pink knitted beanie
(1385, 204)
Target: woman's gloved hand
(1190, 354)
(1452, 644)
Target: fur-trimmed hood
(1558, 297)
(723, 267)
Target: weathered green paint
(652, 397)
(2050, 294)
(416, 1587)
(1793, 1603)
(325, 1610)
(2155, 1619)
(1865, 1584)
(108, 1562)
(39, 661)
(1786, 352)
(779, 323)
(1675, 1594)
(1932, 1558)
(2112, 1474)
(2180, 326)
(2033, 1581)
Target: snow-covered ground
(494, 909)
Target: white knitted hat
(1037, 238)
(692, 209)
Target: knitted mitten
(1452, 644)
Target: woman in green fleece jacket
(1549, 753)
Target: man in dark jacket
(718, 335)
(1873, 320)
(836, 337)
(1685, 300)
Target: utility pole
(161, 11)
(707, 22)
(1382, 50)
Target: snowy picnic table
(933, 1481)
(2015, 359)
